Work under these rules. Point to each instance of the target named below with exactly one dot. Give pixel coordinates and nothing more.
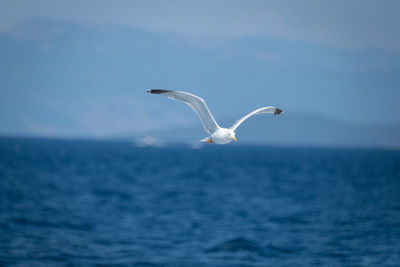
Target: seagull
(216, 134)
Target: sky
(82, 68)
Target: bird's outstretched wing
(196, 103)
(272, 110)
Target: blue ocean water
(92, 203)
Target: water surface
(87, 203)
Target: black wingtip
(278, 111)
(158, 91)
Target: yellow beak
(234, 139)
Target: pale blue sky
(81, 68)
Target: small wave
(44, 223)
(236, 245)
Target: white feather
(272, 110)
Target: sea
(112, 203)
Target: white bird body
(217, 134)
(221, 136)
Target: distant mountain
(293, 129)
(71, 80)
(60, 78)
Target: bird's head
(232, 135)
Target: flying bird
(217, 134)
